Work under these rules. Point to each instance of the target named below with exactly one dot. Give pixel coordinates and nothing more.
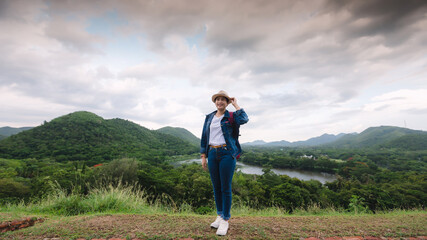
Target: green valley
(82, 164)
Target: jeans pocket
(227, 151)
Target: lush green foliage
(411, 142)
(87, 158)
(379, 179)
(361, 187)
(331, 159)
(84, 136)
(181, 133)
(375, 137)
(290, 159)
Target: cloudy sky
(298, 68)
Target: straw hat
(221, 93)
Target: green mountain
(181, 133)
(86, 136)
(375, 137)
(315, 141)
(411, 142)
(2, 137)
(8, 131)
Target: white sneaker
(223, 227)
(216, 223)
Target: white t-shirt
(216, 137)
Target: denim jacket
(240, 118)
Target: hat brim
(220, 95)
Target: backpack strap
(231, 119)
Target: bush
(69, 206)
(9, 188)
(357, 205)
(103, 199)
(203, 210)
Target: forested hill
(373, 137)
(181, 133)
(410, 142)
(8, 131)
(86, 136)
(383, 136)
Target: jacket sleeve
(203, 141)
(240, 117)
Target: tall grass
(131, 199)
(103, 199)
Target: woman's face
(221, 103)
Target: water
(300, 174)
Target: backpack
(236, 128)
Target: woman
(220, 145)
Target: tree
(289, 196)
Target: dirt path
(197, 227)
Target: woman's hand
(233, 101)
(204, 162)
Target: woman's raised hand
(233, 101)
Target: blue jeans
(221, 168)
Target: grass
(109, 199)
(125, 212)
(131, 200)
(175, 226)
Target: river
(300, 174)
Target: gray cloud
(384, 17)
(288, 100)
(295, 56)
(415, 111)
(382, 107)
(278, 40)
(72, 35)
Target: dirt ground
(198, 227)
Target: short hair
(223, 97)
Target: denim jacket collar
(226, 113)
